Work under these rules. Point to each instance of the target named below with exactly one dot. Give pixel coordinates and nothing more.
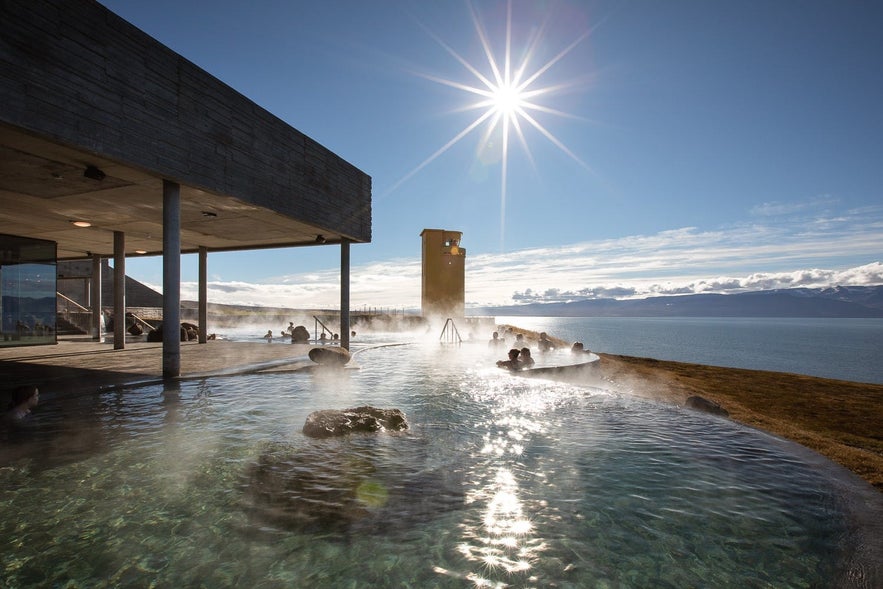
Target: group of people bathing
(300, 335)
(519, 355)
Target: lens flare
(508, 100)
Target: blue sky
(676, 147)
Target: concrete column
(345, 294)
(171, 279)
(95, 298)
(203, 294)
(119, 290)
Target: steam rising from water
(500, 480)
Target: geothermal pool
(500, 481)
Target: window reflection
(27, 291)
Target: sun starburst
(508, 99)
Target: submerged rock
(702, 404)
(309, 489)
(334, 422)
(330, 356)
(346, 486)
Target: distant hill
(839, 301)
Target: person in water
(545, 344)
(524, 359)
(269, 336)
(578, 348)
(512, 363)
(24, 398)
(496, 341)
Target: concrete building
(443, 291)
(112, 145)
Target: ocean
(845, 349)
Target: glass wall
(27, 291)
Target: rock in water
(703, 404)
(330, 356)
(332, 422)
(344, 486)
(300, 335)
(310, 487)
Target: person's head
(496, 335)
(513, 353)
(577, 347)
(543, 335)
(525, 352)
(25, 395)
(519, 337)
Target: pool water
(500, 481)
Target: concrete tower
(444, 274)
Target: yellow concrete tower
(444, 274)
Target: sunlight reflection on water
(500, 481)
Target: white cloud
(839, 251)
(776, 208)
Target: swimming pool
(499, 481)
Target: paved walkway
(83, 364)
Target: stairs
(72, 323)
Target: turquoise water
(845, 349)
(500, 481)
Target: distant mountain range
(838, 301)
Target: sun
(508, 98)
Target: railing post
(95, 302)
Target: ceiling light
(81, 223)
(140, 251)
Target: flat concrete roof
(82, 89)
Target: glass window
(27, 291)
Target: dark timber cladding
(77, 75)
(103, 125)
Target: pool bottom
(499, 482)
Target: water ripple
(500, 481)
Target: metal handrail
(137, 319)
(450, 334)
(316, 325)
(69, 302)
